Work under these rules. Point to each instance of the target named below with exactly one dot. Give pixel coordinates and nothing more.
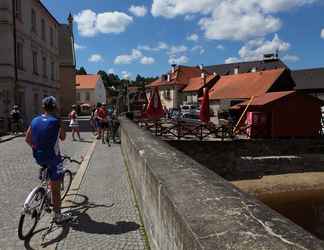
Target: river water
(305, 208)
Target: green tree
(104, 78)
(81, 71)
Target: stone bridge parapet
(186, 206)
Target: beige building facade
(30, 59)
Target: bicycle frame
(43, 185)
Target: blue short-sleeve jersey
(45, 133)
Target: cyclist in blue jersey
(43, 136)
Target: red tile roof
(243, 86)
(86, 81)
(197, 83)
(181, 76)
(271, 97)
(266, 98)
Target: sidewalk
(104, 207)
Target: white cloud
(126, 74)
(79, 47)
(198, 48)
(138, 11)
(220, 47)
(230, 19)
(193, 37)
(178, 60)
(128, 58)
(322, 33)
(232, 60)
(235, 21)
(255, 49)
(173, 50)
(95, 58)
(170, 9)
(147, 60)
(160, 46)
(111, 71)
(189, 17)
(291, 58)
(90, 23)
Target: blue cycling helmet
(49, 103)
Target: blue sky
(146, 36)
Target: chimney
(203, 77)
(173, 67)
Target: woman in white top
(74, 124)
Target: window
(18, 8)
(33, 20)
(20, 62)
(51, 36)
(43, 30)
(87, 96)
(52, 71)
(44, 67)
(35, 63)
(78, 97)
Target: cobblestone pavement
(107, 217)
(18, 175)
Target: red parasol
(154, 108)
(204, 108)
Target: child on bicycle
(43, 136)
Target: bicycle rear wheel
(66, 183)
(28, 219)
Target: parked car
(192, 118)
(188, 108)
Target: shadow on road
(82, 222)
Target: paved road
(18, 175)
(107, 217)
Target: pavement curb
(9, 138)
(78, 178)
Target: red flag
(204, 108)
(154, 108)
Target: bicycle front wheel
(66, 183)
(28, 219)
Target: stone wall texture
(184, 205)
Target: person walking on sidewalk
(93, 122)
(104, 122)
(43, 137)
(74, 124)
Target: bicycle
(42, 197)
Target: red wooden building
(283, 114)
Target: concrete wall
(186, 206)
(249, 159)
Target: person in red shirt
(102, 118)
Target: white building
(90, 89)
